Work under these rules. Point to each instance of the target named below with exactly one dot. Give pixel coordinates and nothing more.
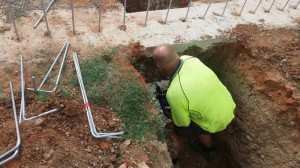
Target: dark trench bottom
(218, 57)
(141, 5)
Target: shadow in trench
(141, 5)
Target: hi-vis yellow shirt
(195, 93)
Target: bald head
(166, 58)
(164, 55)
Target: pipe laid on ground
(66, 45)
(89, 114)
(54, 62)
(87, 107)
(15, 149)
(22, 106)
(10, 158)
(60, 71)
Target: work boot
(208, 153)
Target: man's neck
(175, 70)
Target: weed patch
(66, 95)
(19, 9)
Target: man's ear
(159, 67)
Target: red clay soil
(263, 75)
(63, 139)
(267, 62)
(136, 50)
(270, 64)
(275, 66)
(133, 52)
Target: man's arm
(180, 114)
(164, 106)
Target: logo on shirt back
(195, 114)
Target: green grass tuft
(8, 70)
(130, 103)
(42, 97)
(95, 70)
(65, 94)
(106, 84)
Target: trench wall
(257, 137)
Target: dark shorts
(192, 130)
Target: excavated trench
(141, 5)
(223, 60)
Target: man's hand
(167, 112)
(161, 90)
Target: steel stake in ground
(284, 5)
(295, 6)
(253, 12)
(242, 8)
(73, 19)
(168, 10)
(188, 10)
(148, 6)
(100, 13)
(268, 10)
(40, 19)
(124, 14)
(12, 17)
(45, 16)
(203, 17)
(215, 13)
(34, 84)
